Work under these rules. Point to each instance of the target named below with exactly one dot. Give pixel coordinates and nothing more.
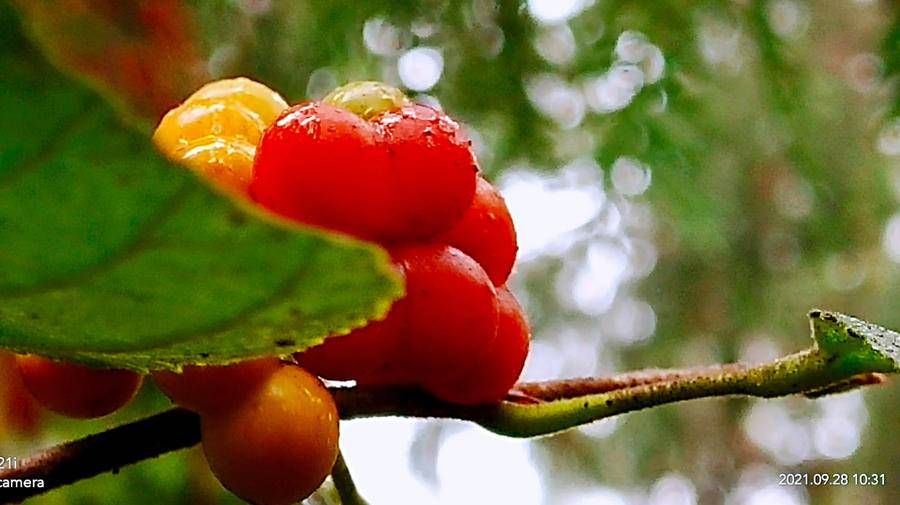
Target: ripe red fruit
(74, 390)
(321, 165)
(433, 171)
(20, 413)
(277, 446)
(213, 388)
(361, 353)
(489, 377)
(407, 175)
(449, 311)
(486, 233)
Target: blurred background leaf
(143, 56)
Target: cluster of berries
(367, 162)
(269, 428)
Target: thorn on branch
(855, 382)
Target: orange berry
(75, 390)
(278, 446)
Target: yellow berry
(198, 118)
(226, 162)
(251, 94)
(367, 99)
(215, 131)
(277, 446)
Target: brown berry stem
(103, 452)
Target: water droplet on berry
(312, 125)
(447, 126)
(289, 118)
(390, 119)
(423, 113)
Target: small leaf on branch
(856, 343)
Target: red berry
(213, 388)
(74, 390)
(407, 175)
(489, 377)
(449, 311)
(361, 353)
(486, 233)
(277, 446)
(433, 171)
(20, 413)
(321, 165)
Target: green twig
(847, 353)
(343, 482)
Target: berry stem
(847, 353)
(103, 452)
(343, 482)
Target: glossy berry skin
(406, 175)
(215, 131)
(206, 117)
(434, 171)
(323, 166)
(74, 390)
(230, 108)
(227, 163)
(278, 446)
(489, 377)
(252, 95)
(367, 99)
(449, 311)
(486, 233)
(215, 388)
(361, 353)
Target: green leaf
(856, 343)
(114, 257)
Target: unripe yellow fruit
(367, 99)
(254, 96)
(277, 447)
(215, 131)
